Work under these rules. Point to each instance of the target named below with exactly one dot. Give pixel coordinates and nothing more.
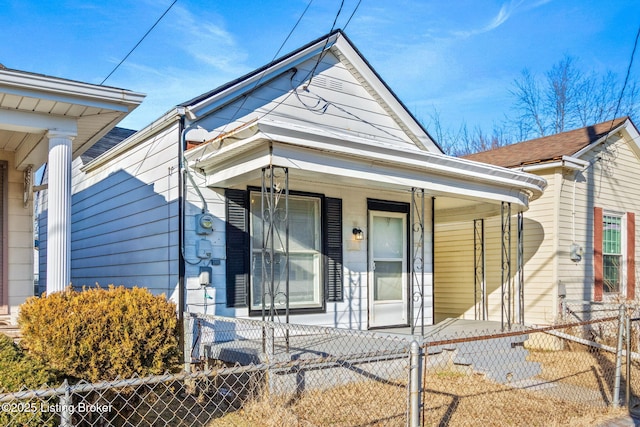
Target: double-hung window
(315, 251)
(268, 264)
(612, 253)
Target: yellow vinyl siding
(454, 263)
(610, 183)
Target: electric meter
(204, 223)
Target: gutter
(567, 162)
(68, 90)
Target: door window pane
(388, 281)
(389, 237)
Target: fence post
(65, 406)
(415, 386)
(621, 328)
(187, 340)
(627, 395)
(269, 345)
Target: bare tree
(567, 98)
(462, 141)
(564, 98)
(528, 95)
(562, 92)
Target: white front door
(387, 269)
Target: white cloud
(205, 39)
(502, 16)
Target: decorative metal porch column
(480, 288)
(520, 261)
(507, 284)
(275, 245)
(417, 260)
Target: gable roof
(345, 50)
(549, 148)
(190, 112)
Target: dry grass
(450, 399)
(359, 404)
(576, 390)
(472, 400)
(584, 368)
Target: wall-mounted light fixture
(358, 234)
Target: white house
(303, 191)
(53, 120)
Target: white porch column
(59, 211)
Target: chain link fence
(573, 373)
(325, 375)
(253, 373)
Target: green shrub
(18, 370)
(99, 334)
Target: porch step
(502, 360)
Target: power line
(140, 41)
(352, 13)
(233, 116)
(626, 79)
(322, 52)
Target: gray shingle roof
(111, 139)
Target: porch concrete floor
(305, 343)
(450, 328)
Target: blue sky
(457, 56)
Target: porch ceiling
(461, 188)
(31, 104)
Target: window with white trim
(306, 289)
(612, 253)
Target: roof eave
(434, 163)
(71, 91)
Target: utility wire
(140, 41)
(624, 85)
(233, 116)
(626, 79)
(323, 51)
(352, 13)
(294, 71)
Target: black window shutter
(333, 235)
(237, 243)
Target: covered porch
(45, 120)
(379, 187)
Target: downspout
(558, 183)
(182, 209)
(433, 260)
(182, 191)
(181, 264)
